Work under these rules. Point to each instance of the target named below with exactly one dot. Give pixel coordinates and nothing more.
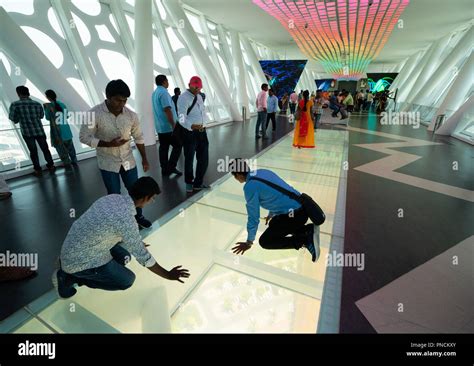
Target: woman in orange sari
(304, 130)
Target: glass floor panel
(199, 238)
(227, 301)
(324, 163)
(323, 142)
(33, 326)
(294, 261)
(229, 195)
(188, 239)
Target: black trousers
(292, 108)
(43, 144)
(195, 144)
(271, 116)
(275, 237)
(166, 140)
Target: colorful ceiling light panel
(344, 35)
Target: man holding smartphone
(110, 133)
(192, 124)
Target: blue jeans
(112, 182)
(111, 276)
(317, 118)
(66, 152)
(261, 121)
(335, 108)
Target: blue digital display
(283, 75)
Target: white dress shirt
(197, 116)
(106, 126)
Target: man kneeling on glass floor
(287, 219)
(100, 244)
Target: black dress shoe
(5, 195)
(38, 173)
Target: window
(18, 6)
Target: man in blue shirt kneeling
(287, 219)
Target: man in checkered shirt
(28, 114)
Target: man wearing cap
(192, 123)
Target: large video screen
(325, 84)
(283, 75)
(380, 81)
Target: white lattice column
(429, 66)
(200, 56)
(405, 72)
(122, 25)
(451, 60)
(16, 44)
(410, 84)
(253, 59)
(73, 39)
(452, 122)
(406, 91)
(458, 90)
(239, 71)
(144, 69)
(227, 56)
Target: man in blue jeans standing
(110, 133)
(261, 104)
(101, 242)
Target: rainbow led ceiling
(344, 35)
